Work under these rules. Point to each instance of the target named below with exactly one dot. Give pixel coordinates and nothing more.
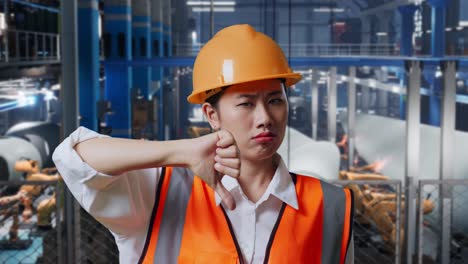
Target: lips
(264, 137)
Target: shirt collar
(281, 186)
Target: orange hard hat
(238, 54)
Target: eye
(276, 101)
(245, 104)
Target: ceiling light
(328, 10)
(208, 3)
(463, 23)
(215, 9)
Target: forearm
(114, 156)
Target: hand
(214, 156)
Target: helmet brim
(200, 96)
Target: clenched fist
(214, 156)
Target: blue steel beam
(407, 29)
(439, 8)
(88, 52)
(438, 27)
(50, 9)
(301, 61)
(118, 26)
(157, 38)
(387, 5)
(141, 33)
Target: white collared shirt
(124, 203)
(254, 222)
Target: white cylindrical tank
(13, 149)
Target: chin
(261, 154)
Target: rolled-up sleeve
(123, 203)
(73, 169)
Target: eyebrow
(254, 95)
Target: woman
(169, 215)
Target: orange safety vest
(187, 226)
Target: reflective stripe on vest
(187, 226)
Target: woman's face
(256, 114)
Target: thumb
(226, 196)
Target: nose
(263, 116)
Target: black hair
(214, 99)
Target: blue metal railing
(22, 45)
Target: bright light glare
(49, 95)
(215, 9)
(24, 100)
(463, 23)
(207, 3)
(328, 10)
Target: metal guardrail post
(50, 51)
(314, 102)
(51, 46)
(176, 102)
(36, 42)
(5, 32)
(69, 97)
(332, 105)
(211, 18)
(398, 225)
(58, 221)
(351, 114)
(445, 206)
(413, 109)
(27, 46)
(58, 48)
(44, 45)
(7, 45)
(420, 221)
(448, 111)
(17, 55)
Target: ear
(212, 115)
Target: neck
(255, 176)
